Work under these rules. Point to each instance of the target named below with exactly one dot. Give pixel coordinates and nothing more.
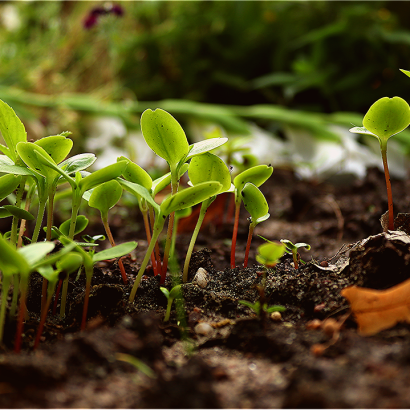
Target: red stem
(235, 234)
(248, 245)
(167, 248)
(41, 324)
(148, 234)
(85, 308)
(388, 187)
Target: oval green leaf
(255, 202)
(19, 213)
(105, 196)
(209, 167)
(57, 146)
(81, 223)
(11, 261)
(189, 197)
(270, 253)
(115, 251)
(205, 146)
(134, 173)
(257, 175)
(8, 183)
(78, 163)
(387, 116)
(36, 251)
(164, 135)
(102, 175)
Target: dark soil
(215, 352)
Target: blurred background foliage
(303, 64)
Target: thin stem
(248, 244)
(6, 279)
(40, 215)
(104, 218)
(148, 234)
(19, 198)
(295, 258)
(64, 297)
(198, 225)
(235, 232)
(383, 147)
(168, 312)
(86, 299)
(22, 314)
(14, 300)
(60, 282)
(174, 189)
(23, 221)
(43, 319)
(157, 230)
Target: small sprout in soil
(294, 250)
(137, 363)
(175, 293)
(385, 118)
(257, 308)
(256, 204)
(270, 253)
(257, 175)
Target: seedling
(256, 204)
(270, 253)
(294, 250)
(165, 136)
(182, 199)
(22, 262)
(171, 296)
(257, 175)
(104, 197)
(205, 167)
(258, 308)
(385, 118)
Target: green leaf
(102, 175)
(160, 183)
(78, 163)
(11, 261)
(115, 251)
(69, 262)
(4, 213)
(361, 130)
(12, 129)
(405, 72)
(34, 252)
(275, 308)
(134, 173)
(139, 191)
(255, 202)
(189, 197)
(18, 212)
(105, 196)
(164, 135)
(81, 223)
(165, 291)
(57, 146)
(8, 183)
(257, 175)
(387, 116)
(8, 167)
(270, 253)
(204, 146)
(209, 167)
(175, 292)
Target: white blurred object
(10, 18)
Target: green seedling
(181, 214)
(165, 136)
(293, 249)
(256, 204)
(269, 253)
(182, 199)
(171, 296)
(89, 260)
(257, 307)
(67, 264)
(256, 175)
(104, 197)
(23, 262)
(137, 363)
(205, 167)
(385, 118)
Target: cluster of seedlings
(34, 172)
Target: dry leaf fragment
(376, 310)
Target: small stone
(204, 329)
(276, 316)
(201, 278)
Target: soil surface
(216, 352)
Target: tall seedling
(256, 175)
(385, 118)
(256, 204)
(165, 136)
(203, 168)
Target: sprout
(293, 249)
